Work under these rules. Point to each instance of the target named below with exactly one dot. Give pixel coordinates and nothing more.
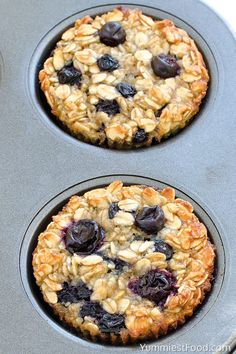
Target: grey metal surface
(39, 161)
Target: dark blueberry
(108, 106)
(102, 127)
(165, 66)
(137, 238)
(69, 75)
(105, 258)
(150, 219)
(112, 34)
(92, 309)
(111, 323)
(84, 237)
(159, 111)
(140, 136)
(107, 63)
(113, 209)
(156, 285)
(163, 247)
(119, 264)
(126, 90)
(74, 293)
(144, 237)
(106, 321)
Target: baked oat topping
(150, 73)
(115, 281)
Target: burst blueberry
(150, 219)
(69, 75)
(107, 63)
(111, 323)
(112, 34)
(74, 293)
(84, 237)
(140, 136)
(119, 264)
(92, 309)
(107, 322)
(156, 285)
(126, 90)
(165, 66)
(113, 210)
(110, 107)
(163, 247)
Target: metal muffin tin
(44, 166)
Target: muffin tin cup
(42, 162)
(43, 218)
(48, 43)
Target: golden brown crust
(192, 262)
(179, 97)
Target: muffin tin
(43, 166)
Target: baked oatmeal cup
(122, 264)
(124, 80)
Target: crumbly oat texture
(76, 82)
(124, 263)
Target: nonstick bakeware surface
(40, 163)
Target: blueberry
(73, 293)
(69, 75)
(110, 107)
(163, 247)
(140, 136)
(102, 127)
(105, 258)
(126, 90)
(119, 264)
(150, 219)
(106, 322)
(84, 237)
(92, 309)
(156, 285)
(165, 66)
(113, 209)
(111, 323)
(107, 63)
(112, 34)
(138, 238)
(159, 111)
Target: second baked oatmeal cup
(122, 264)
